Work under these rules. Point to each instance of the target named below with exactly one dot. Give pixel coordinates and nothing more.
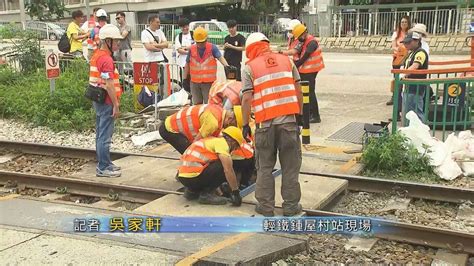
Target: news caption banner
(152, 224)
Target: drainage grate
(352, 132)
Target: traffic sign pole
(52, 85)
(52, 69)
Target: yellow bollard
(305, 133)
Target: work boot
(210, 198)
(190, 195)
(390, 102)
(258, 209)
(294, 212)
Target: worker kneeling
(228, 93)
(207, 163)
(196, 122)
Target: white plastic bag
(440, 153)
(179, 98)
(143, 139)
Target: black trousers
(399, 93)
(213, 175)
(177, 140)
(313, 101)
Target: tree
(295, 7)
(46, 10)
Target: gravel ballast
(18, 131)
(423, 212)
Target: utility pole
(22, 14)
(88, 11)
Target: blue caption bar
(152, 224)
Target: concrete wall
(377, 44)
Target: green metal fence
(444, 100)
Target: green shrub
(28, 97)
(391, 155)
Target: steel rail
(412, 233)
(84, 187)
(390, 230)
(65, 151)
(356, 183)
(411, 189)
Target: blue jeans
(104, 129)
(414, 102)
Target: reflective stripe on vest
(186, 121)
(225, 90)
(196, 158)
(274, 87)
(244, 152)
(315, 62)
(94, 74)
(202, 70)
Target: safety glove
(246, 132)
(235, 198)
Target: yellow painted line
(190, 260)
(9, 196)
(351, 163)
(325, 149)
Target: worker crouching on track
(194, 123)
(104, 74)
(271, 87)
(201, 65)
(226, 94)
(309, 63)
(207, 164)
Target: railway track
(393, 230)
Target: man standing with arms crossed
(154, 41)
(270, 85)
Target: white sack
(179, 98)
(143, 139)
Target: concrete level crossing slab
(55, 218)
(316, 191)
(177, 205)
(52, 249)
(138, 171)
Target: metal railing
(438, 21)
(444, 100)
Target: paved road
(352, 87)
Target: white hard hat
(109, 31)
(101, 13)
(293, 23)
(255, 37)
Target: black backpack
(64, 44)
(180, 37)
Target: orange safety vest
(186, 121)
(244, 152)
(196, 158)
(94, 74)
(203, 70)
(291, 45)
(315, 62)
(274, 92)
(221, 90)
